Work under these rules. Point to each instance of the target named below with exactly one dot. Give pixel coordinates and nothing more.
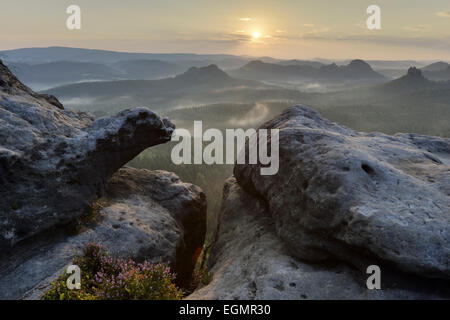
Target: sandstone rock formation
(137, 194)
(145, 215)
(54, 163)
(250, 261)
(342, 201)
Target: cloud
(308, 25)
(419, 27)
(443, 14)
(245, 19)
(442, 43)
(361, 25)
(236, 37)
(317, 32)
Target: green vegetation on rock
(105, 277)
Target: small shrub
(201, 275)
(90, 216)
(104, 277)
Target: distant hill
(197, 85)
(410, 89)
(210, 75)
(399, 91)
(62, 72)
(147, 69)
(295, 62)
(204, 77)
(356, 70)
(393, 68)
(412, 81)
(395, 64)
(437, 66)
(52, 74)
(439, 71)
(443, 75)
(43, 68)
(52, 54)
(224, 64)
(231, 62)
(259, 70)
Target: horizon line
(220, 54)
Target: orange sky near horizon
(287, 29)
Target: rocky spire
(414, 72)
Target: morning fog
(235, 140)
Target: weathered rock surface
(54, 163)
(250, 261)
(181, 234)
(144, 214)
(342, 197)
(341, 193)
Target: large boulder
(175, 234)
(143, 215)
(341, 201)
(250, 261)
(54, 162)
(346, 194)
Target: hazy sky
(286, 28)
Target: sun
(255, 35)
